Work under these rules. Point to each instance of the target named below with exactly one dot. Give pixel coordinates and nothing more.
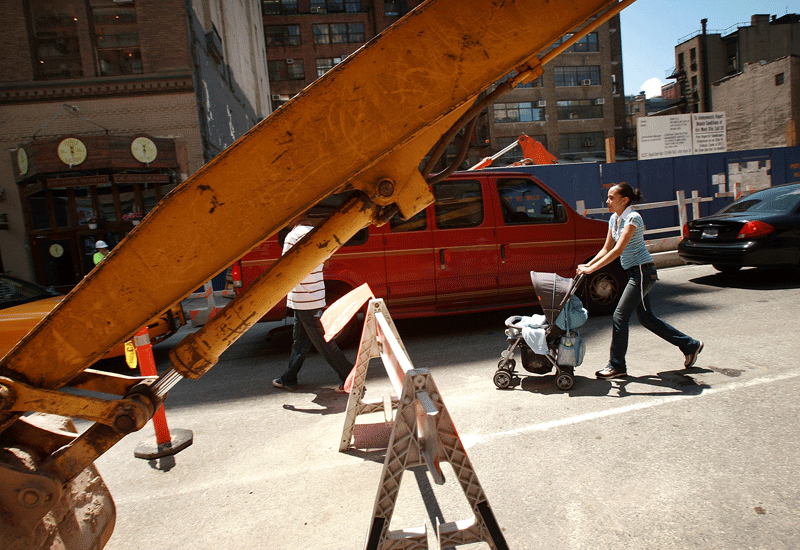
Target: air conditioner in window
(276, 97)
(541, 103)
(588, 142)
(600, 101)
(289, 61)
(317, 9)
(586, 82)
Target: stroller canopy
(553, 292)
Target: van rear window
(459, 203)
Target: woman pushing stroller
(625, 240)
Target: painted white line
(470, 440)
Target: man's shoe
(340, 389)
(610, 372)
(691, 359)
(278, 383)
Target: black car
(762, 229)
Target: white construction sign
(680, 135)
(708, 133)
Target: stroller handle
(573, 287)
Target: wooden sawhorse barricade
(422, 434)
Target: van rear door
(533, 233)
(465, 247)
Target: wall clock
(144, 150)
(71, 151)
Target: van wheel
(603, 289)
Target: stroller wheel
(509, 365)
(502, 379)
(565, 380)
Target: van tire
(602, 289)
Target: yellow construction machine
(365, 128)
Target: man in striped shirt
(307, 300)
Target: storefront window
(127, 200)
(83, 204)
(40, 218)
(105, 196)
(61, 207)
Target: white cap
(100, 244)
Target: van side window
(459, 203)
(524, 202)
(417, 222)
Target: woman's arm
(608, 253)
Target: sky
(652, 28)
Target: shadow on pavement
(753, 279)
(670, 383)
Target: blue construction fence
(660, 179)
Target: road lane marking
(470, 440)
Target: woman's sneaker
(610, 372)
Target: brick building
(571, 109)
(106, 105)
(761, 104)
(705, 57)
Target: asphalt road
(664, 459)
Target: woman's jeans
(635, 297)
(308, 331)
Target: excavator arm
(364, 127)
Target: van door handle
(444, 256)
(502, 252)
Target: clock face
(22, 161)
(144, 150)
(56, 250)
(72, 151)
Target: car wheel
(603, 289)
(726, 268)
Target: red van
(470, 251)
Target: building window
(325, 64)
(779, 79)
(282, 35)
(116, 39)
(588, 75)
(338, 33)
(694, 83)
(517, 112)
(584, 44)
(584, 142)
(680, 61)
(335, 6)
(55, 39)
(391, 8)
(531, 84)
(278, 7)
(286, 69)
(578, 109)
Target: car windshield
(777, 200)
(14, 292)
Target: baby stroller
(549, 340)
